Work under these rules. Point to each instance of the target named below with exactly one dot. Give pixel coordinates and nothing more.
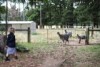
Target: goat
(68, 33)
(63, 37)
(81, 37)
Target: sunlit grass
(38, 46)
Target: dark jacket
(11, 40)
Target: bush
(21, 48)
(1, 56)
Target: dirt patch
(61, 56)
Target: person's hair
(11, 29)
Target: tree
(82, 16)
(2, 11)
(33, 15)
(23, 14)
(53, 12)
(93, 9)
(13, 14)
(69, 16)
(62, 12)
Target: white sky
(12, 4)
(21, 5)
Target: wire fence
(48, 35)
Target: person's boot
(7, 59)
(16, 57)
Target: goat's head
(65, 31)
(77, 34)
(58, 33)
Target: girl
(11, 45)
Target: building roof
(16, 22)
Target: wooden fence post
(92, 32)
(29, 35)
(87, 37)
(47, 36)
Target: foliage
(82, 15)
(21, 48)
(34, 47)
(13, 14)
(33, 15)
(62, 12)
(91, 8)
(2, 11)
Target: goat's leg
(71, 35)
(62, 41)
(66, 42)
(79, 41)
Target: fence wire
(50, 35)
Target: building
(21, 25)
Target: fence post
(87, 37)
(29, 35)
(92, 32)
(47, 36)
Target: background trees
(60, 12)
(90, 9)
(2, 10)
(66, 12)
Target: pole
(40, 15)
(47, 36)
(92, 32)
(29, 33)
(6, 16)
(87, 37)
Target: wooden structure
(28, 33)
(20, 25)
(88, 33)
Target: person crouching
(11, 45)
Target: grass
(91, 48)
(37, 47)
(39, 44)
(84, 54)
(42, 46)
(43, 35)
(88, 54)
(35, 33)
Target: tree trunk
(23, 13)
(19, 11)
